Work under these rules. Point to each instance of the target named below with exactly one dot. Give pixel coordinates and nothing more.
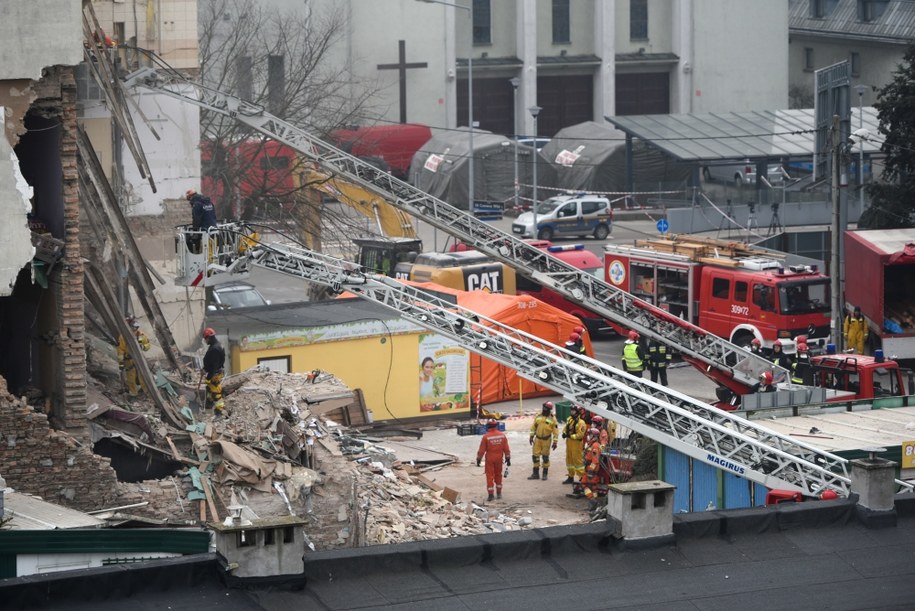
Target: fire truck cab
(729, 290)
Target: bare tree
(283, 61)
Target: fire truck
(734, 290)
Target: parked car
(742, 174)
(234, 295)
(567, 215)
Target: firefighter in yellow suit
(125, 362)
(544, 436)
(855, 331)
(574, 434)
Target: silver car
(742, 174)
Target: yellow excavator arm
(391, 222)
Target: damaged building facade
(47, 242)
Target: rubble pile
(276, 453)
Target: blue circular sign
(663, 226)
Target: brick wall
(72, 345)
(36, 459)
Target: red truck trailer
(880, 279)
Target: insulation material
(16, 248)
(521, 312)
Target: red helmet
(766, 377)
(190, 193)
(756, 342)
(802, 347)
(574, 337)
(597, 421)
(777, 344)
(491, 423)
(801, 339)
(548, 406)
(594, 433)
(209, 332)
(633, 335)
(579, 329)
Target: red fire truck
(733, 290)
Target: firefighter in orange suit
(592, 477)
(544, 435)
(494, 447)
(574, 434)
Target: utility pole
(835, 239)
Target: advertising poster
(444, 379)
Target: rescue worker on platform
(802, 368)
(574, 434)
(203, 217)
(125, 362)
(607, 430)
(854, 331)
(765, 383)
(658, 359)
(494, 448)
(633, 355)
(214, 369)
(544, 436)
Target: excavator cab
(381, 255)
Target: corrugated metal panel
(736, 492)
(755, 135)
(705, 486)
(676, 467)
(760, 492)
(896, 25)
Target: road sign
(663, 226)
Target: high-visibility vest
(631, 357)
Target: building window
(86, 87)
(808, 58)
(870, 10)
(270, 536)
(281, 364)
(638, 19)
(855, 61)
(818, 8)
(561, 26)
(246, 538)
(482, 22)
(289, 534)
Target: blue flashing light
(565, 247)
(830, 348)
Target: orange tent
(491, 382)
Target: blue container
(481, 429)
(502, 426)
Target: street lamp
(861, 89)
(535, 112)
(469, 10)
(515, 81)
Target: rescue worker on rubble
(494, 448)
(802, 368)
(544, 436)
(854, 331)
(213, 369)
(658, 359)
(203, 217)
(126, 364)
(574, 434)
(633, 355)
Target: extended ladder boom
(739, 446)
(728, 364)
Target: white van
(567, 215)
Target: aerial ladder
(731, 366)
(733, 444)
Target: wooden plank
(209, 494)
(428, 483)
(203, 510)
(178, 456)
(330, 447)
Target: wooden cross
(401, 66)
